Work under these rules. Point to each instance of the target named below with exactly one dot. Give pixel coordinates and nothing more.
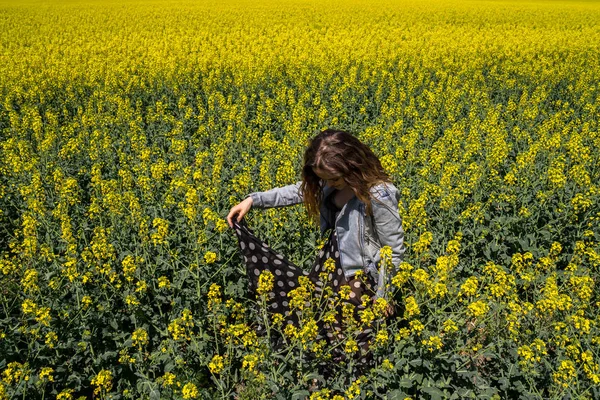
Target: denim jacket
(359, 237)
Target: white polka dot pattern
(286, 276)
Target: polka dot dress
(258, 257)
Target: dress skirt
(258, 257)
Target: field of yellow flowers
(129, 128)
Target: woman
(346, 188)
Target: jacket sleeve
(388, 224)
(278, 197)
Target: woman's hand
(240, 209)
(389, 310)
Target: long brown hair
(339, 153)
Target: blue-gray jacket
(359, 238)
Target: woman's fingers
(243, 208)
(240, 209)
(240, 215)
(234, 210)
(390, 310)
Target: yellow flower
(28, 306)
(86, 301)
(162, 230)
(249, 338)
(125, 358)
(308, 333)
(453, 247)
(381, 338)
(221, 225)
(163, 282)
(580, 323)
(131, 300)
(305, 282)
(411, 307)
(555, 249)
(351, 346)
(469, 288)
(168, 379)
(421, 276)
(141, 286)
(423, 243)
(532, 353)
(565, 374)
(139, 338)
(15, 372)
(366, 316)
(320, 244)
(450, 326)
(402, 334)
(348, 313)
(298, 297)
(385, 253)
(478, 308)
(526, 353)
(210, 257)
(46, 374)
(178, 326)
(437, 290)
(329, 316)
(322, 394)
(329, 265)
(214, 295)
(386, 364)
(102, 381)
(403, 275)
(250, 362)
(129, 267)
(344, 292)
(51, 339)
(66, 394)
(189, 391)
(353, 390)
(379, 307)
(216, 365)
(42, 315)
(6, 266)
(265, 282)
(277, 319)
(433, 343)
(29, 281)
(416, 326)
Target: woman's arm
(278, 197)
(388, 225)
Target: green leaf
(416, 362)
(435, 393)
(169, 366)
(406, 382)
(300, 394)
(154, 394)
(396, 394)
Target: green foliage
(127, 136)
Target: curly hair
(340, 154)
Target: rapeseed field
(129, 128)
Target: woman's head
(339, 159)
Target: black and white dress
(258, 256)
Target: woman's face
(337, 182)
